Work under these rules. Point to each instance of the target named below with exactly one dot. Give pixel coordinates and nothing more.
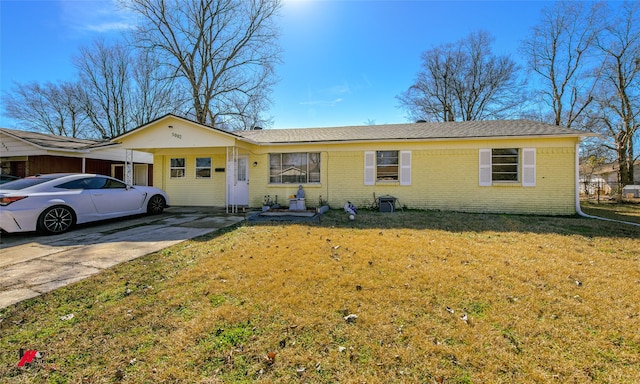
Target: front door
(238, 183)
(140, 174)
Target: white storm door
(239, 187)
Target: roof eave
(118, 138)
(84, 149)
(413, 139)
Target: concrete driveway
(31, 265)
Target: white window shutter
(405, 167)
(369, 168)
(484, 173)
(528, 167)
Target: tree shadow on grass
(476, 222)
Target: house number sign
(176, 135)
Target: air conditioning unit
(387, 203)
(633, 190)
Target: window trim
(517, 164)
(308, 172)
(172, 168)
(388, 178)
(210, 168)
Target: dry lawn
(439, 298)
(626, 212)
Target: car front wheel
(56, 220)
(156, 205)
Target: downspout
(327, 176)
(578, 208)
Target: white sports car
(51, 204)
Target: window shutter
(528, 167)
(405, 167)
(369, 168)
(484, 173)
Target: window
(114, 184)
(294, 168)
(242, 169)
(504, 164)
(203, 167)
(177, 167)
(387, 166)
(93, 183)
(508, 165)
(75, 184)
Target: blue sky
(344, 60)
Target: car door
(112, 197)
(76, 194)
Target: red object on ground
(27, 357)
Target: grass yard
(439, 298)
(612, 210)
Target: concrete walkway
(31, 265)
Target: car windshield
(17, 185)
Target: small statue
(300, 193)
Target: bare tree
(49, 108)
(104, 74)
(464, 81)
(618, 99)
(432, 96)
(558, 50)
(223, 51)
(154, 93)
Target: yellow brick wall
(192, 191)
(444, 177)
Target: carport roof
(49, 141)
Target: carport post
(128, 166)
(231, 177)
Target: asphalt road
(31, 265)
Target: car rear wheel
(156, 205)
(56, 220)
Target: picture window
(294, 168)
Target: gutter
(578, 208)
(400, 139)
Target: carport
(195, 164)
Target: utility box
(631, 190)
(387, 203)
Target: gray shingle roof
(48, 141)
(411, 131)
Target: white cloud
(101, 16)
(109, 26)
(326, 103)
